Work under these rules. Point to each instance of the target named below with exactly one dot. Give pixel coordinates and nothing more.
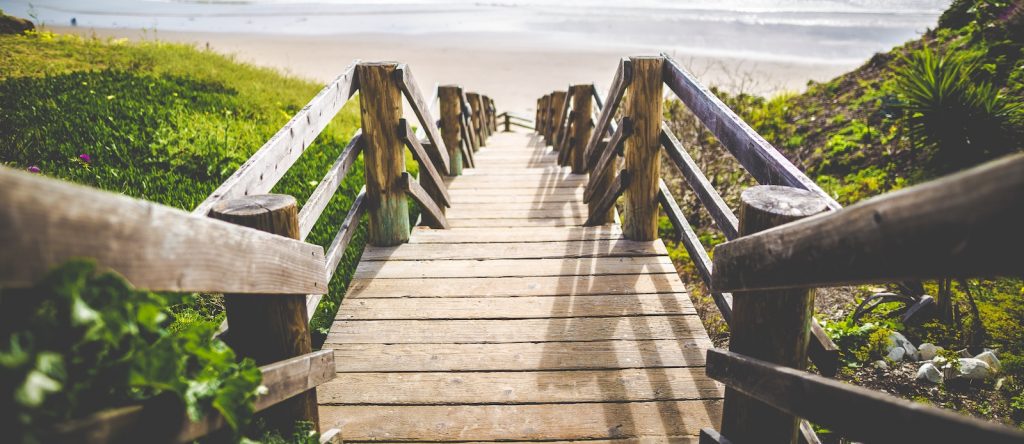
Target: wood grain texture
(516, 286)
(641, 151)
(962, 225)
(260, 173)
(154, 247)
(520, 356)
(339, 245)
(433, 215)
(477, 115)
(558, 103)
(622, 79)
(706, 193)
(430, 178)
(512, 250)
(406, 81)
(516, 235)
(854, 412)
(383, 154)
(451, 126)
(602, 172)
(321, 196)
(606, 202)
(757, 156)
(513, 267)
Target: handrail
(623, 77)
(760, 158)
(321, 196)
(264, 169)
(966, 224)
(155, 247)
(699, 183)
(438, 155)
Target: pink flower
(85, 158)
(34, 169)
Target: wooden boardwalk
(518, 324)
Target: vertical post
(582, 107)
(773, 326)
(508, 123)
(557, 103)
(643, 149)
(478, 121)
(380, 105)
(536, 115)
(270, 328)
(451, 127)
(542, 119)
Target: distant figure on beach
(74, 21)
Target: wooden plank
(437, 218)
(539, 422)
(439, 153)
(608, 198)
(757, 156)
(435, 185)
(963, 225)
(496, 204)
(516, 308)
(533, 183)
(518, 235)
(321, 196)
(605, 159)
(338, 246)
(520, 356)
(139, 423)
(623, 77)
(45, 222)
(514, 267)
(630, 328)
(575, 215)
(855, 412)
(260, 173)
(713, 202)
(504, 223)
(442, 388)
(535, 195)
(512, 250)
(516, 286)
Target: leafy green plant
(81, 341)
(963, 120)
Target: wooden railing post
(643, 149)
(582, 107)
(773, 326)
(554, 126)
(478, 121)
(508, 123)
(380, 105)
(270, 328)
(602, 180)
(451, 126)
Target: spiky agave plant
(961, 120)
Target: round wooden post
(478, 121)
(643, 102)
(773, 326)
(602, 181)
(536, 115)
(508, 123)
(555, 125)
(451, 127)
(542, 115)
(380, 105)
(270, 328)
(582, 107)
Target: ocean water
(841, 32)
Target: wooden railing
(951, 227)
(252, 243)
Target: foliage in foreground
(82, 341)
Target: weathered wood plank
(436, 217)
(338, 246)
(630, 328)
(504, 223)
(524, 422)
(520, 356)
(439, 153)
(606, 157)
(260, 173)
(846, 408)
(321, 196)
(441, 388)
(512, 250)
(528, 195)
(575, 215)
(516, 308)
(713, 202)
(516, 235)
(608, 198)
(516, 286)
(42, 222)
(623, 77)
(433, 182)
(534, 183)
(757, 156)
(966, 225)
(514, 267)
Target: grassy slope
(163, 122)
(851, 135)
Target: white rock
(971, 368)
(880, 364)
(990, 359)
(898, 340)
(930, 373)
(896, 354)
(929, 351)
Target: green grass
(163, 122)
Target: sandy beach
(513, 70)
